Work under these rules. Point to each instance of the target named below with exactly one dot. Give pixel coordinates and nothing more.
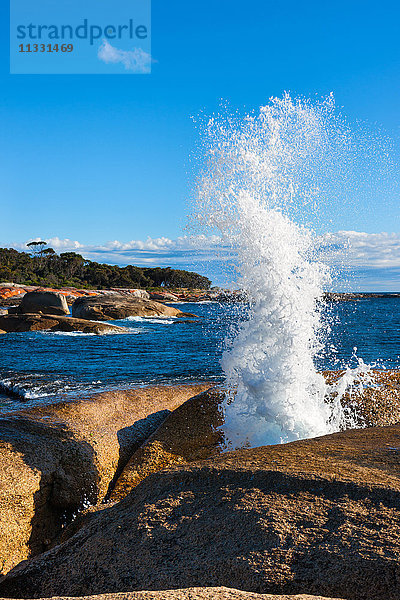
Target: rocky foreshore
(17, 323)
(129, 491)
(11, 294)
(44, 310)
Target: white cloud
(54, 242)
(160, 251)
(373, 259)
(136, 60)
(360, 249)
(151, 251)
(164, 243)
(354, 248)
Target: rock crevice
(56, 459)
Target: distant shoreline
(12, 293)
(343, 296)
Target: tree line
(44, 267)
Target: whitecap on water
(160, 320)
(84, 334)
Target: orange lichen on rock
(9, 292)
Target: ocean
(43, 367)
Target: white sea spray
(263, 178)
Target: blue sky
(106, 158)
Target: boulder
(128, 292)
(56, 459)
(105, 307)
(13, 301)
(140, 294)
(164, 296)
(49, 303)
(191, 432)
(37, 322)
(220, 593)
(318, 516)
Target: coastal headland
(11, 294)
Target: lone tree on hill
(38, 248)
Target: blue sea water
(44, 366)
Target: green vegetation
(46, 268)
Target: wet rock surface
(375, 404)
